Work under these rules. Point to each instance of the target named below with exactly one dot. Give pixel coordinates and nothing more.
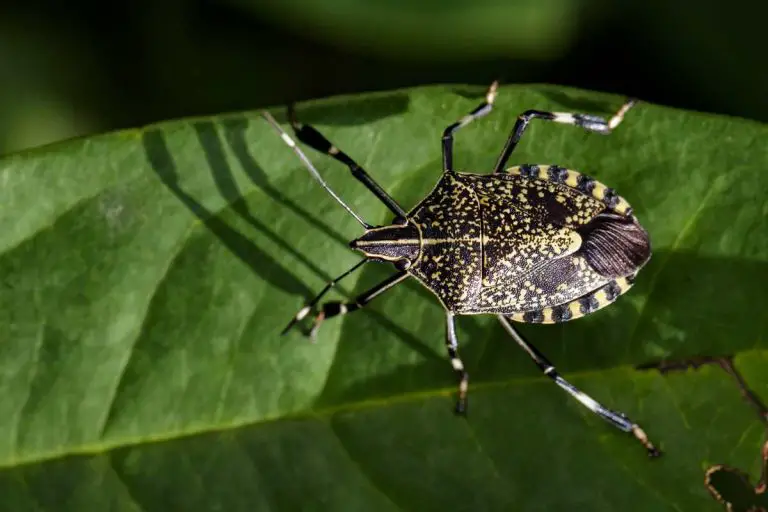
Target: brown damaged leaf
(727, 365)
(731, 487)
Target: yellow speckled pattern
(450, 224)
(575, 180)
(509, 243)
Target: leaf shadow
(163, 164)
(579, 103)
(702, 305)
(224, 179)
(234, 133)
(262, 264)
(351, 110)
(620, 335)
(470, 92)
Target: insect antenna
(311, 168)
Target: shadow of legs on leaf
(351, 110)
(263, 265)
(234, 132)
(260, 262)
(225, 182)
(575, 103)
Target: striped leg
(481, 110)
(335, 308)
(617, 419)
(452, 344)
(317, 141)
(588, 122)
(311, 304)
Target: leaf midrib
(98, 448)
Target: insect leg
(335, 308)
(311, 304)
(452, 344)
(588, 122)
(617, 419)
(317, 141)
(311, 168)
(481, 110)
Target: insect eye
(402, 264)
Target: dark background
(81, 66)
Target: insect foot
(461, 407)
(330, 309)
(297, 318)
(641, 436)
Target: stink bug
(532, 243)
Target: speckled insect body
(531, 244)
(522, 243)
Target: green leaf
(147, 274)
(731, 487)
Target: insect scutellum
(530, 243)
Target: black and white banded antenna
(311, 168)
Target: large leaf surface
(147, 274)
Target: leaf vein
(409, 397)
(103, 422)
(362, 470)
